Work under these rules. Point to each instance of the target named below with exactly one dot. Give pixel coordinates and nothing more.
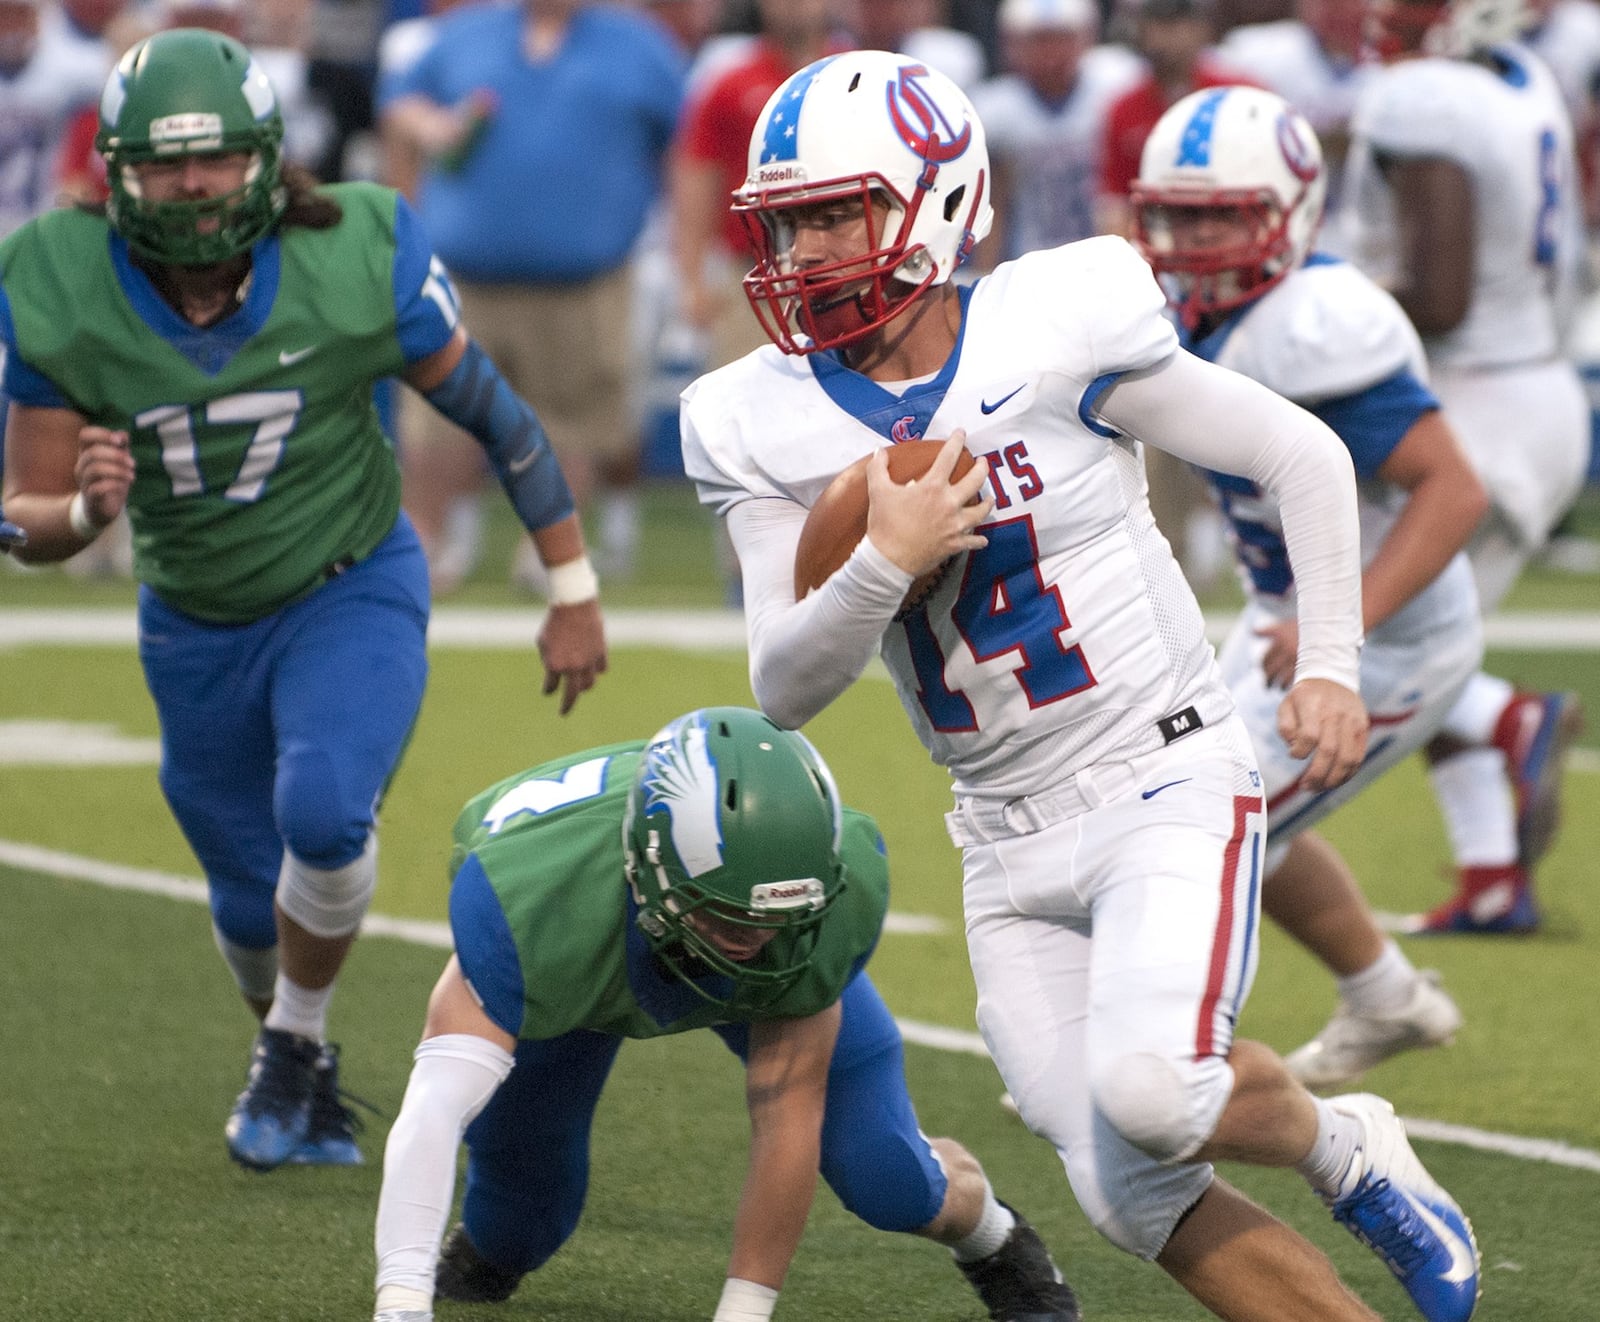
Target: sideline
(54, 863)
(710, 630)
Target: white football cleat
(1353, 1041)
(1392, 1205)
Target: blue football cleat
(1491, 902)
(273, 1114)
(1399, 1212)
(331, 1133)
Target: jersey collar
(212, 348)
(894, 417)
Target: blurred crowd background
(571, 162)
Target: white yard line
(54, 863)
(681, 630)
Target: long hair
(308, 206)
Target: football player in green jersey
(202, 352)
(707, 879)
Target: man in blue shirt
(545, 128)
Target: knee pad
(1132, 1200)
(1165, 1108)
(255, 970)
(329, 902)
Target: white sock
(302, 1011)
(1472, 719)
(1383, 987)
(985, 1238)
(1331, 1167)
(1480, 815)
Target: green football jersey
(260, 459)
(550, 843)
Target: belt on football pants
(981, 821)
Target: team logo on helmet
(920, 122)
(1297, 152)
(682, 780)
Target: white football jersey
(1285, 57)
(1329, 339)
(1072, 634)
(1053, 152)
(35, 106)
(1568, 40)
(1507, 127)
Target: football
(839, 518)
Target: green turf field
(125, 1042)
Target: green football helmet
(733, 818)
(182, 92)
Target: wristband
(745, 1301)
(78, 517)
(573, 583)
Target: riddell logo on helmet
(801, 893)
(788, 172)
(191, 129)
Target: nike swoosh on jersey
(1463, 1261)
(289, 357)
(986, 408)
(1150, 794)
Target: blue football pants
(528, 1151)
(283, 733)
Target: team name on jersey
(1012, 479)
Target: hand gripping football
(839, 519)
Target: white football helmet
(1450, 29)
(843, 130)
(1228, 199)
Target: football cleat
(1394, 1207)
(1353, 1041)
(1018, 1282)
(273, 1113)
(1534, 732)
(466, 1276)
(331, 1134)
(1490, 902)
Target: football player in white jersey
(1313, 60)
(1045, 117)
(1107, 800)
(1226, 208)
(43, 80)
(1464, 200)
